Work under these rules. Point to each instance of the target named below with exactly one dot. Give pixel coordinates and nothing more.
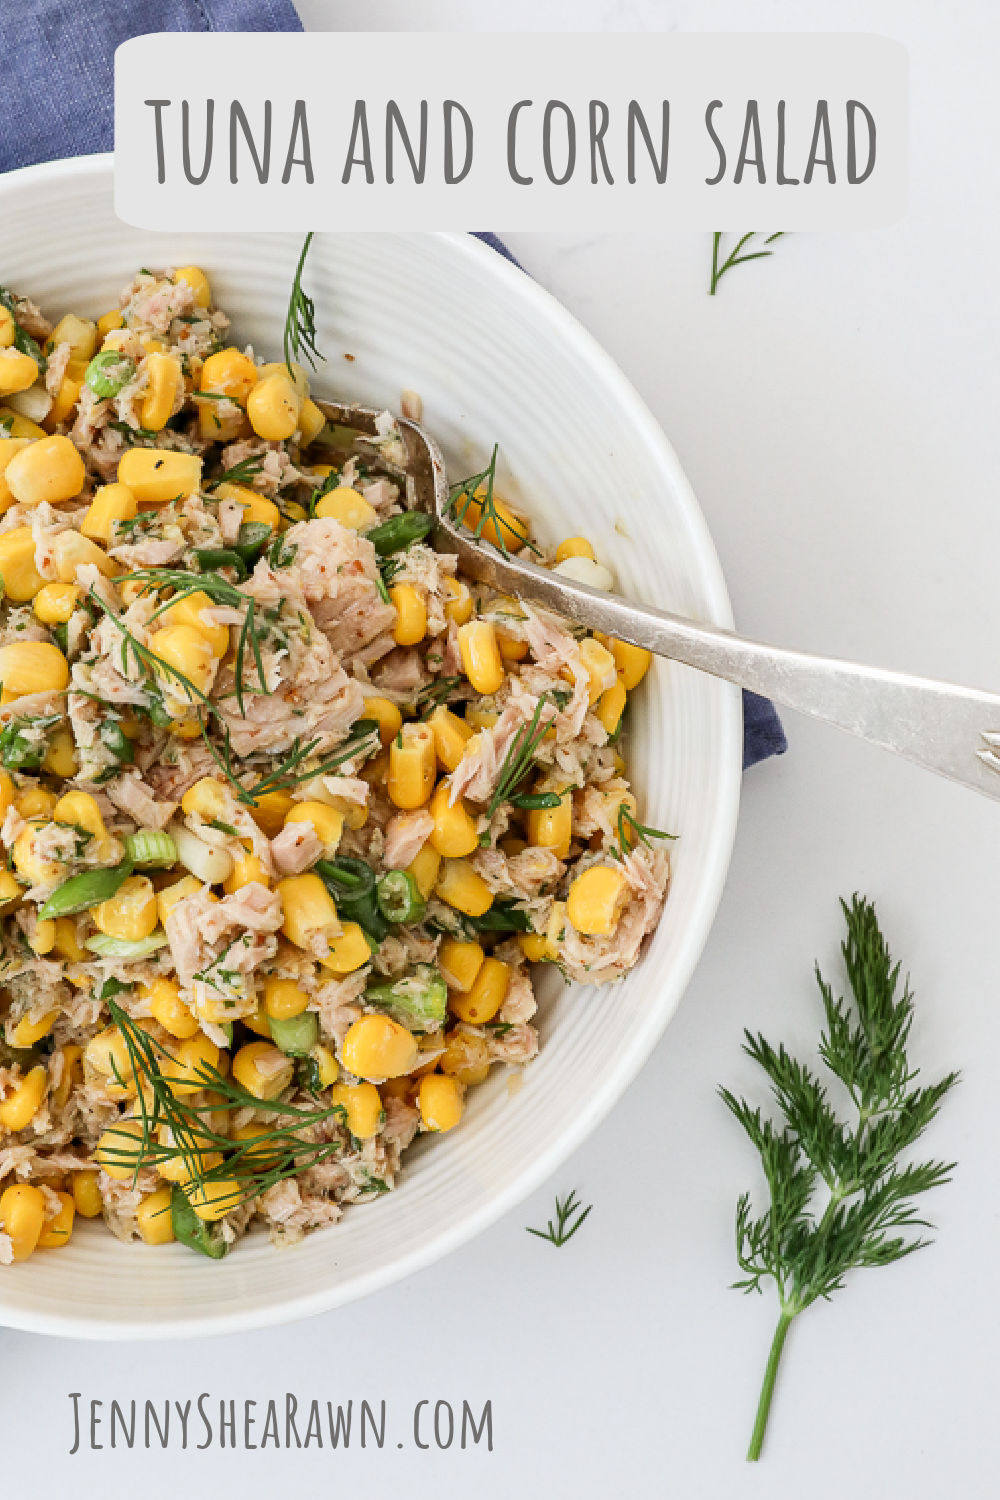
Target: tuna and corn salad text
(288, 808)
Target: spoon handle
(954, 731)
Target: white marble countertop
(835, 409)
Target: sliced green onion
(109, 372)
(296, 1035)
(400, 532)
(418, 1001)
(87, 889)
(210, 559)
(112, 947)
(151, 849)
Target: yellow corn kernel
(441, 1101)
(552, 827)
(508, 530)
(611, 706)
(460, 886)
(189, 652)
(6, 792)
(270, 812)
(70, 1056)
(424, 869)
(72, 550)
(7, 329)
(283, 998)
(55, 603)
(534, 946)
(488, 992)
(119, 1151)
(632, 662)
(79, 333)
(258, 1023)
(50, 469)
(362, 1104)
(451, 735)
(109, 323)
(348, 952)
(111, 503)
(458, 601)
(327, 1067)
(311, 423)
(595, 900)
(310, 915)
(600, 667)
(460, 962)
(130, 913)
(348, 507)
(153, 1218)
(248, 869)
(273, 408)
(411, 614)
(30, 865)
(20, 427)
(229, 373)
(164, 381)
(255, 507)
(198, 282)
(20, 1107)
(480, 653)
(157, 475)
(214, 1199)
(183, 1163)
(67, 945)
(17, 371)
(27, 1032)
(386, 715)
(480, 718)
(10, 893)
(81, 809)
(188, 611)
(87, 1195)
(187, 1067)
(34, 801)
(378, 1047)
(163, 997)
(466, 1056)
(455, 831)
(63, 402)
(511, 648)
(574, 546)
(10, 447)
(32, 666)
(412, 763)
(21, 579)
(107, 1055)
(58, 1229)
(43, 940)
(327, 822)
(22, 1218)
(207, 798)
(262, 1070)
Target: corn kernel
(119, 1152)
(611, 706)
(163, 997)
(327, 1067)
(153, 1218)
(29, 864)
(451, 736)
(485, 996)
(458, 601)
(455, 831)
(72, 550)
(255, 507)
(460, 962)
(22, 1218)
(130, 913)
(214, 1199)
(552, 827)
(459, 885)
(378, 1047)
(21, 1105)
(441, 1101)
(348, 507)
(188, 1068)
(262, 1070)
(157, 475)
(63, 402)
(424, 869)
(248, 869)
(481, 660)
(69, 1055)
(198, 282)
(327, 823)
(55, 603)
(631, 661)
(21, 579)
(50, 469)
(27, 1032)
(348, 952)
(283, 998)
(190, 653)
(58, 1229)
(273, 408)
(189, 611)
(466, 1056)
(411, 614)
(271, 810)
(310, 916)
(362, 1104)
(164, 383)
(67, 944)
(386, 715)
(17, 371)
(412, 763)
(229, 373)
(504, 528)
(311, 423)
(600, 667)
(595, 900)
(87, 1195)
(574, 546)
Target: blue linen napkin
(56, 100)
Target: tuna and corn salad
(288, 808)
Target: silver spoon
(936, 724)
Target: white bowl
(495, 358)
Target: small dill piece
(736, 256)
(300, 320)
(519, 759)
(435, 694)
(245, 472)
(569, 1218)
(294, 769)
(631, 832)
(464, 496)
(865, 1192)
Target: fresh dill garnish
(435, 694)
(245, 472)
(281, 554)
(463, 497)
(735, 257)
(520, 758)
(222, 827)
(300, 320)
(569, 1217)
(373, 1184)
(632, 832)
(283, 1150)
(293, 770)
(855, 1167)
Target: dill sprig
(275, 1154)
(294, 770)
(245, 472)
(569, 1217)
(631, 832)
(300, 320)
(463, 496)
(735, 257)
(435, 694)
(519, 759)
(868, 1193)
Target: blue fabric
(56, 99)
